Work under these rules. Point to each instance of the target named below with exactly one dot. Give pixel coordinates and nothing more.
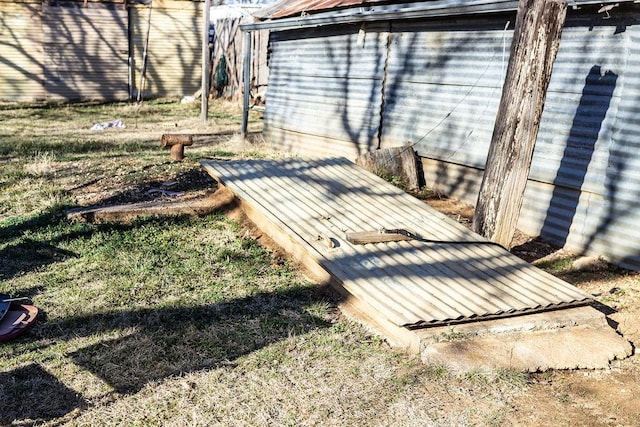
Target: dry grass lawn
(193, 321)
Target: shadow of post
(583, 136)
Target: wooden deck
(449, 275)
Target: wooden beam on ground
(381, 236)
(400, 162)
(535, 43)
(127, 213)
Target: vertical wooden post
(247, 83)
(534, 47)
(206, 23)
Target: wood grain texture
(533, 50)
(392, 162)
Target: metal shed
(73, 50)
(85, 51)
(174, 41)
(351, 76)
(21, 70)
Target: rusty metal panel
(297, 7)
(21, 58)
(287, 15)
(450, 275)
(85, 51)
(174, 56)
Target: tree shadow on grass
(153, 189)
(31, 394)
(28, 255)
(158, 343)
(172, 341)
(20, 254)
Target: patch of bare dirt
(578, 398)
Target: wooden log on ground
(533, 50)
(127, 213)
(393, 162)
(177, 142)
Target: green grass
(560, 265)
(184, 320)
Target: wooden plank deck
(450, 275)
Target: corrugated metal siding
(443, 85)
(175, 48)
(327, 84)
(455, 276)
(617, 233)
(21, 58)
(85, 51)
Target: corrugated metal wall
(85, 51)
(443, 85)
(73, 51)
(325, 87)
(617, 232)
(174, 51)
(21, 56)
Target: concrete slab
(574, 338)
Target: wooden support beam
(206, 59)
(534, 47)
(246, 96)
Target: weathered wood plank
(533, 50)
(392, 162)
(382, 236)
